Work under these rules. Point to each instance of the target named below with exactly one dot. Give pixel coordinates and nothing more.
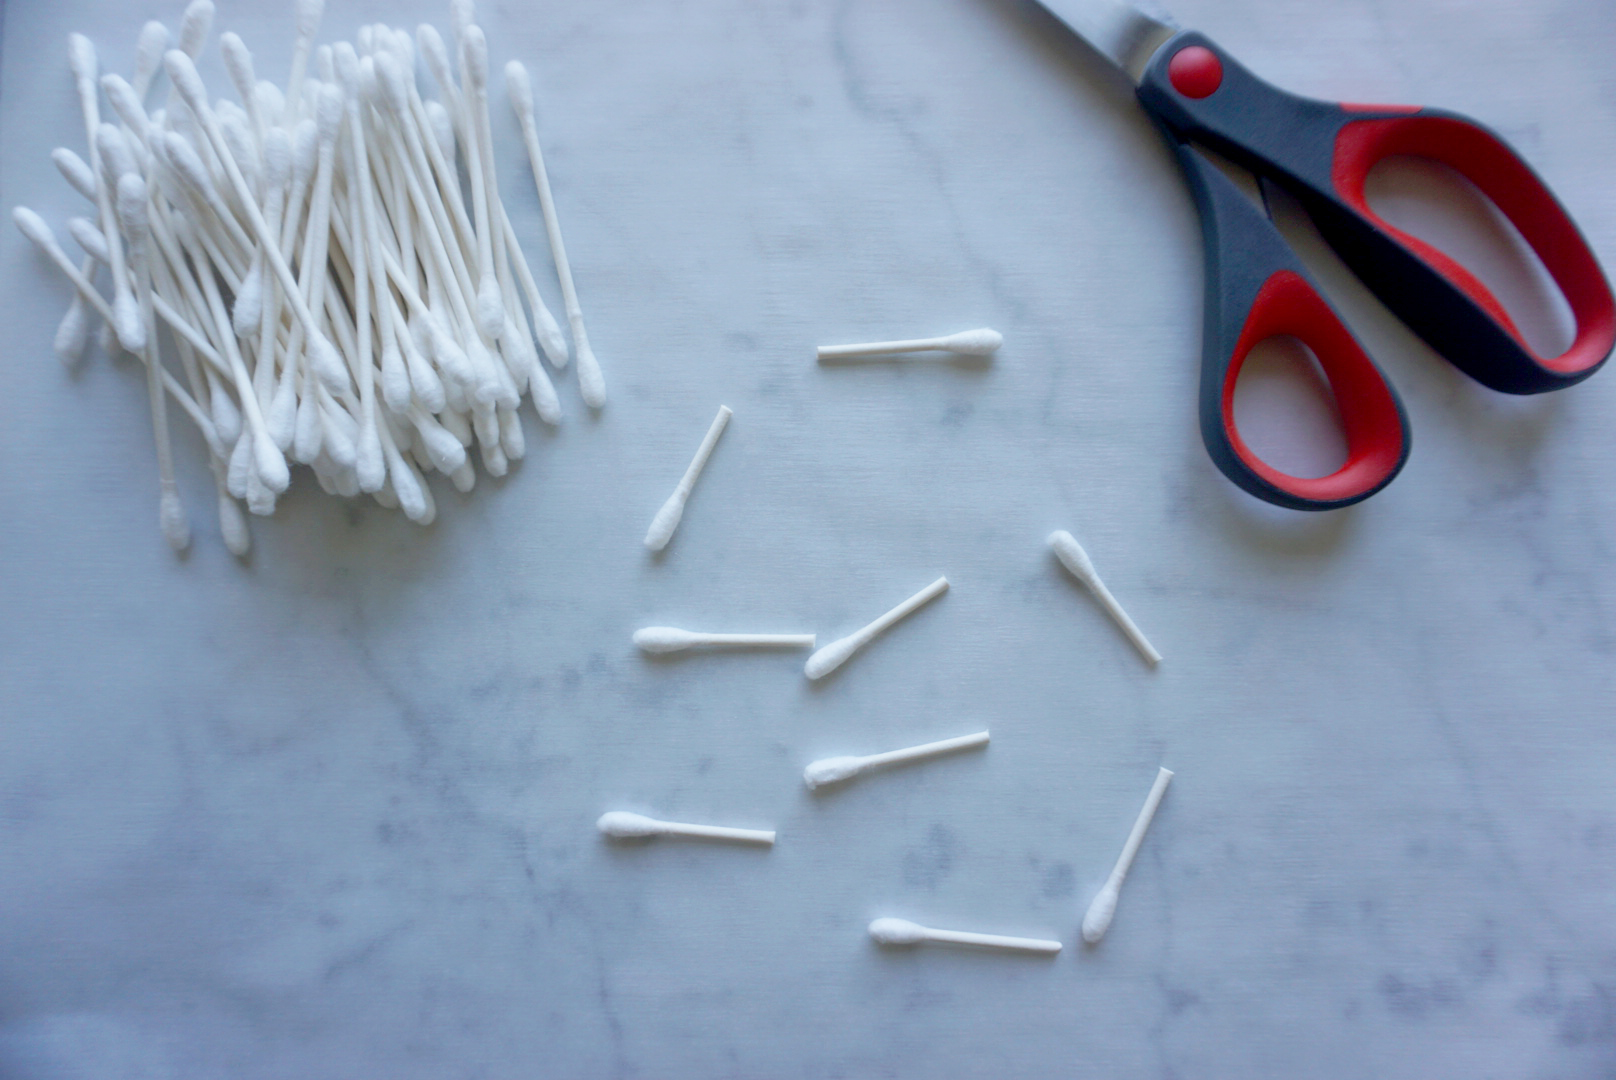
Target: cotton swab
(591, 383)
(126, 323)
(834, 655)
(1075, 559)
(667, 639)
(667, 518)
(835, 770)
(1104, 906)
(980, 342)
(622, 825)
(903, 932)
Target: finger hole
(1285, 411)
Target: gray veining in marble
(329, 813)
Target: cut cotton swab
(836, 769)
(1075, 559)
(904, 932)
(622, 825)
(835, 654)
(980, 342)
(667, 639)
(667, 518)
(1104, 906)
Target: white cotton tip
(277, 158)
(411, 498)
(307, 433)
(450, 356)
(182, 73)
(238, 139)
(442, 128)
(665, 639)
(149, 49)
(591, 383)
(490, 308)
(347, 61)
(370, 92)
(545, 401)
(305, 151)
(1098, 918)
(75, 171)
(308, 18)
(395, 96)
(1072, 555)
(233, 526)
(271, 464)
(238, 64)
(665, 522)
(81, 57)
(33, 226)
(188, 165)
(240, 467)
(520, 88)
(430, 44)
(897, 932)
(260, 499)
(194, 27)
(280, 419)
(365, 39)
(126, 320)
(831, 771)
(623, 825)
(116, 159)
(328, 110)
(73, 333)
(494, 460)
(396, 390)
(171, 518)
(475, 43)
(444, 450)
(327, 363)
(107, 341)
(325, 64)
(132, 212)
(831, 657)
(464, 478)
(125, 102)
(511, 438)
(370, 464)
(90, 238)
(428, 388)
(980, 342)
(462, 13)
(271, 103)
(248, 312)
(226, 416)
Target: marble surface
(329, 812)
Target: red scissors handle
(1322, 153)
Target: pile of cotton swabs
(334, 294)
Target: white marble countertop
(330, 812)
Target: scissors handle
(1322, 152)
(1256, 288)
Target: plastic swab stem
(903, 932)
(622, 825)
(836, 769)
(1104, 906)
(667, 518)
(667, 639)
(980, 342)
(1075, 559)
(835, 654)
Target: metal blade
(1120, 32)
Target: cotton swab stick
(1075, 559)
(667, 518)
(980, 342)
(590, 381)
(1104, 906)
(667, 639)
(836, 769)
(622, 825)
(835, 654)
(903, 932)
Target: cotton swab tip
(897, 932)
(81, 57)
(664, 639)
(983, 341)
(127, 323)
(520, 88)
(182, 73)
(176, 526)
(831, 657)
(490, 308)
(475, 43)
(831, 771)
(620, 824)
(1072, 555)
(1101, 911)
(194, 26)
(665, 522)
(75, 171)
(308, 17)
(33, 226)
(73, 333)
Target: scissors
(1256, 288)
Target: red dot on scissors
(1195, 71)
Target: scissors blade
(1119, 31)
